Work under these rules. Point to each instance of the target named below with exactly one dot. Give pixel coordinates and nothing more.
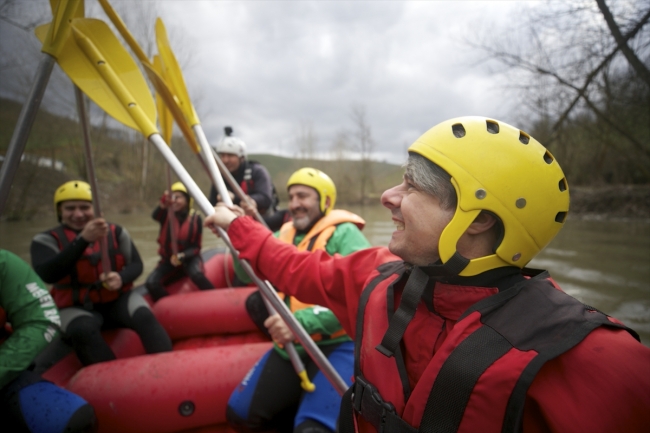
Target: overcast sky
(264, 67)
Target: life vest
(320, 233)
(82, 286)
(185, 232)
(316, 239)
(490, 357)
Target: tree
(364, 145)
(306, 140)
(580, 70)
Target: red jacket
(600, 385)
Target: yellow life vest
(315, 240)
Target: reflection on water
(603, 264)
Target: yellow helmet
(318, 180)
(72, 190)
(179, 186)
(498, 168)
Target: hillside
(120, 157)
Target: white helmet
(230, 144)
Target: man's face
(76, 213)
(179, 201)
(231, 161)
(304, 206)
(419, 220)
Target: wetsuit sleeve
(132, 262)
(51, 264)
(335, 282)
(194, 244)
(262, 191)
(31, 312)
(346, 239)
(159, 214)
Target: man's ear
(328, 202)
(482, 223)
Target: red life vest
(185, 234)
(478, 378)
(83, 285)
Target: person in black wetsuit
(187, 260)
(68, 256)
(253, 178)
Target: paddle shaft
(90, 169)
(217, 180)
(171, 216)
(148, 129)
(23, 127)
(235, 186)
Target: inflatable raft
(215, 343)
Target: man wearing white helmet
(452, 332)
(252, 177)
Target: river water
(605, 264)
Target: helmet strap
(420, 278)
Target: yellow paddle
(166, 122)
(165, 92)
(98, 51)
(179, 89)
(62, 11)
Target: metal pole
(212, 166)
(23, 127)
(265, 287)
(90, 168)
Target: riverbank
(31, 197)
(610, 202)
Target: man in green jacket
(270, 396)
(27, 402)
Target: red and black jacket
(189, 231)
(478, 379)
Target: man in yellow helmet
(183, 257)
(452, 333)
(271, 396)
(90, 299)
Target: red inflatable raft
(215, 344)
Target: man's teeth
(399, 225)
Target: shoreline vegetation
(32, 189)
(131, 175)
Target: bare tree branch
(633, 60)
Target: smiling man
(271, 393)
(90, 299)
(452, 332)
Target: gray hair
(432, 179)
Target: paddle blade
(126, 34)
(84, 72)
(54, 36)
(172, 105)
(173, 71)
(165, 118)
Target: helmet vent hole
(562, 185)
(560, 217)
(492, 127)
(525, 139)
(548, 158)
(458, 130)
